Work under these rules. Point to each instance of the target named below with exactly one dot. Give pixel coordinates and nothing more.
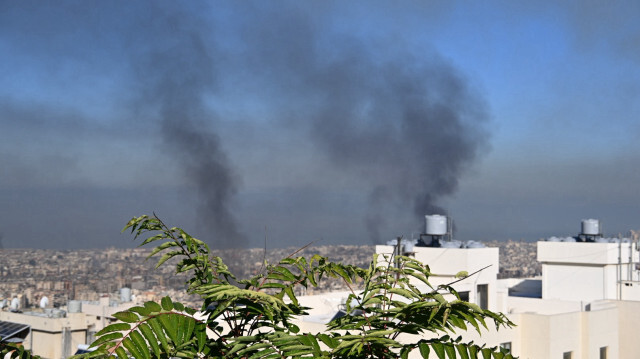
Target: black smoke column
(177, 71)
(401, 121)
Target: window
(464, 296)
(566, 355)
(506, 345)
(483, 296)
(603, 353)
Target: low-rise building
(55, 333)
(585, 305)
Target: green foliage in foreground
(11, 350)
(254, 318)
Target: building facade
(585, 305)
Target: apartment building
(586, 305)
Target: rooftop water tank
(451, 244)
(44, 301)
(436, 225)
(125, 294)
(474, 244)
(591, 227)
(74, 306)
(407, 245)
(15, 303)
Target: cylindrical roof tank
(15, 303)
(74, 306)
(451, 244)
(407, 245)
(590, 227)
(125, 294)
(435, 225)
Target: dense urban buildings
(65, 297)
(30, 274)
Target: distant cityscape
(87, 275)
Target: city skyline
(284, 123)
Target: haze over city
(299, 121)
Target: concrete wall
(533, 336)
(601, 329)
(542, 306)
(581, 333)
(629, 320)
(575, 282)
(587, 282)
(47, 333)
(445, 263)
(587, 271)
(581, 253)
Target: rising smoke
(399, 120)
(176, 71)
(405, 126)
(411, 129)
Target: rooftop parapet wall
(450, 261)
(585, 252)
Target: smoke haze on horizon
(292, 122)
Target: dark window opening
(603, 353)
(483, 296)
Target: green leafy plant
(255, 317)
(11, 350)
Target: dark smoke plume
(399, 122)
(410, 130)
(407, 127)
(176, 72)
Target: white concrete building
(445, 263)
(57, 334)
(586, 305)
(589, 271)
(54, 334)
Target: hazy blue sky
(297, 121)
